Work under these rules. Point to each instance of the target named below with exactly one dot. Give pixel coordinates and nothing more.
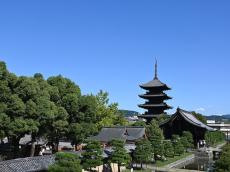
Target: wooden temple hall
(183, 120)
(180, 121)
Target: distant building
(220, 126)
(211, 121)
(154, 97)
(185, 121)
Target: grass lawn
(171, 160)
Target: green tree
(119, 154)
(200, 117)
(161, 118)
(223, 164)
(168, 149)
(178, 146)
(107, 114)
(92, 157)
(58, 126)
(65, 162)
(187, 140)
(139, 123)
(156, 137)
(214, 137)
(4, 121)
(143, 151)
(65, 93)
(78, 132)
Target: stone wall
(30, 164)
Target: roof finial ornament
(155, 69)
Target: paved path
(163, 169)
(171, 167)
(180, 162)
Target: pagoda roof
(190, 118)
(155, 83)
(155, 105)
(154, 95)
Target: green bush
(168, 149)
(178, 146)
(214, 137)
(223, 164)
(65, 162)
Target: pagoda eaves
(155, 98)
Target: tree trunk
(119, 170)
(15, 142)
(141, 165)
(56, 144)
(32, 148)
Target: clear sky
(112, 45)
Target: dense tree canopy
(52, 108)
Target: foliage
(187, 139)
(223, 164)
(119, 154)
(128, 113)
(52, 108)
(92, 157)
(214, 137)
(139, 123)
(178, 146)
(107, 114)
(161, 118)
(143, 151)
(65, 162)
(155, 135)
(168, 149)
(78, 132)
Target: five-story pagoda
(154, 97)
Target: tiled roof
(154, 83)
(121, 133)
(29, 164)
(189, 117)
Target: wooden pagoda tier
(154, 97)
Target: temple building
(155, 98)
(185, 121)
(129, 134)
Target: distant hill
(218, 117)
(128, 113)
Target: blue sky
(112, 45)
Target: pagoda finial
(156, 70)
